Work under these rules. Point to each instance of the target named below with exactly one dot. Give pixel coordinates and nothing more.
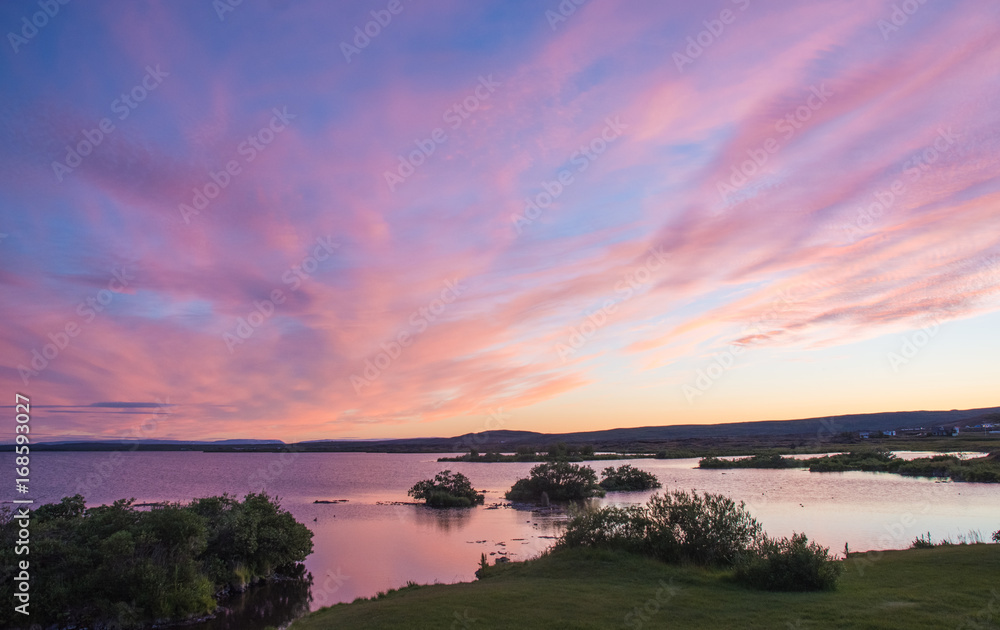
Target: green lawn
(944, 587)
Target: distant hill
(809, 426)
(609, 438)
(239, 441)
(806, 428)
(148, 445)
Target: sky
(305, 220)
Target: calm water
(373, 543)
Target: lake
(376, 540)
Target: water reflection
(276, 604)
(378, 539)
(442, 519)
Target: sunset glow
(281, 222)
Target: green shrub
(441, 499)
(708, 529)
(254, 535)
(996, 536)
(622, 528)
(119, 566)
(447, 489)
(792, 564)
(560, 481)
(625, 478)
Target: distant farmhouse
(864, 435)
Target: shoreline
(938, 587)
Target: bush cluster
(626, 477)
(772, 460)
(793, 564)
(708, 530)
(446, 490)
(871, 460)
(678, 526)
(559, 481)
(612, 527)
(119, 566)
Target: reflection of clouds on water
(382, 546)
(859, 508)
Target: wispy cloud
(845, 197)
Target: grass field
(955, 586)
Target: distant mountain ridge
(510, 439)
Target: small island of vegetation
(447, 490)
(626, 478)
(564, 481)
(556, 481)
(980, 469)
